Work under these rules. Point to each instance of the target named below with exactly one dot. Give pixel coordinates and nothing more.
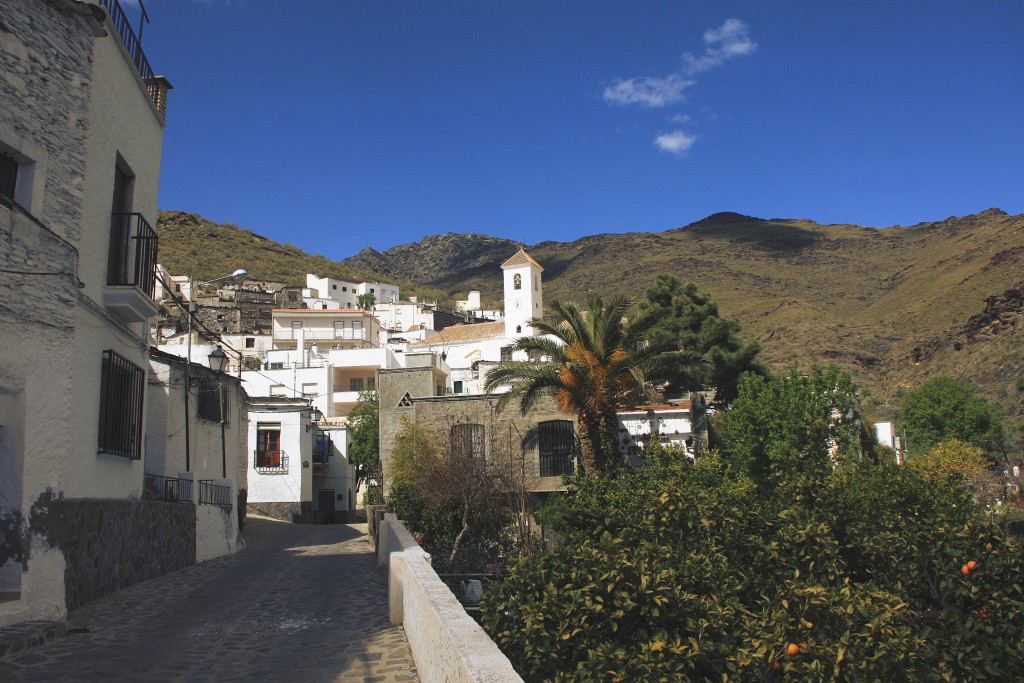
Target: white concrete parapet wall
(446, 643)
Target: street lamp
(237, 276)
(315, 416)
(218, 360)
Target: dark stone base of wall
(112, 544)
(299, 513)
(19, 638)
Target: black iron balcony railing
(214, 494)
(170, 489)
(128, 37)
(271, 462)
(133, 250)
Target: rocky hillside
(444, 261)
(192, 244)
(893, 306)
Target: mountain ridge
(861, 297)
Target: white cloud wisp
(677, 142)
(649, 92)
(731, 39)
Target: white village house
(79, 174)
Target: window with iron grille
(557, 447)
(122, 385)
(468, 440)
(8, 178)
(213, 402)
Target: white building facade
(80, 162)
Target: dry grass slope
(862, 298)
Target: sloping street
(301, 603)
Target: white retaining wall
(446, 643)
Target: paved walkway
(302, 603)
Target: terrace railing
(214, 494)
(131, 41)
(169, 489)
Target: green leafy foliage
(684, 572)
(791, 428)
(689, 319)
(944, 408)
(461, 507)
(366, 301)
(364, 430)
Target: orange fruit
(971, 565)
(965, 569)
(793, 649)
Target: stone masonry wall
(506, 432)
(300, 513)
(112, 544)
(45, 67)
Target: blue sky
(336, 125)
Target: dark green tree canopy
(366, 301)
(364, 427)
(791, 428)
(944, 408)
(689, 320)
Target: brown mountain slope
(863, 298)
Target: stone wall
(446, 643)
(112, 544)
(300, 513)
(221, 319)
(46, 134)
(506, 432)
(45, 66)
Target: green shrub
(684, 573)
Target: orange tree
(684, 572)
(862, 570)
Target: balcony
(320, 334)
(345, 397)
(156, 86)
(131, 268)
(271, 462)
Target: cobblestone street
(302, 603)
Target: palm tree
(595, 360)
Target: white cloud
(650, 92)
(677, 142)
(680, 118)
(731, 39)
